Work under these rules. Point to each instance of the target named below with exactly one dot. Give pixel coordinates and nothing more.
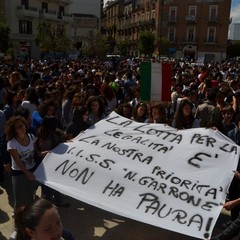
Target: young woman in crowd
(95, 108)
(40, 221)
(108, 93)
(157, 114)
(67, 106)
(140, 112)
(20, 145)
(125, 110)
(79, 122)
(227, 113)
(49, 136)
(184, 117)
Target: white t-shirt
(26, 153)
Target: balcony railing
(51, 15)
(172, 19)
(27, 12)
(138, 7)
(190, 40)
(64, 2)
(65, 17)
(190, 18)
(210, 41)
(213, 19)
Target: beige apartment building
(23, 17)
(188, 28)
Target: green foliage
(146, 43)
(5, 42)
(233, 50)
(164, 47)
(96, 46)
(123, 48)
(52, 37)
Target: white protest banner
(152, 173)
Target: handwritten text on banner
(152, 173)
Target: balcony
(212, 19)
(65, 17)
(50, 15)
(27, 12)
(63, 2)
(190, 18)
(210, 41)
(172, 19)
(191, 40)
(121, 15)
(138, 8)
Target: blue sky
(235, 11)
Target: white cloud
(235, 13)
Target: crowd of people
(46, 102)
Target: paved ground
(90, 223)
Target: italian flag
(155, 82)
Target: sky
(235, 10)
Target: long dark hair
(135, 112)
(49, 125)
(78, 113)
(30, 216)
(162, 111)
(181, 121)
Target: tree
(146, 43)
(95, 46)
(52, 37)
(5, 42)
(164, 48)
(233, 50)
(123, 48)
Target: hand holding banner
(152, 173)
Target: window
(147, 16)
(134, 18)
(139, 18)
(192, 11)
(173, 13)
(45, 7)
(191, 34)
(171, 34)
(213, 12)
(61, 10)
(211, 34)
(153, 14)
(24, 3)
(25, 27)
